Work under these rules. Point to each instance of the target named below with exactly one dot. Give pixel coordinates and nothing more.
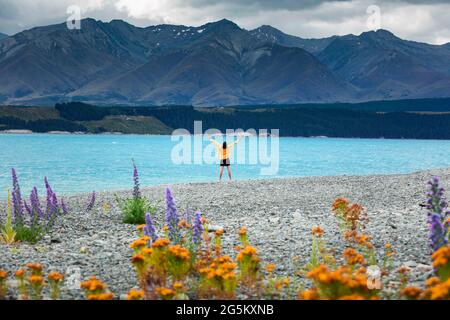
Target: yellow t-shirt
(223, 153)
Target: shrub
(29, 221)
(134, 209)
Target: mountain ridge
(218, 63)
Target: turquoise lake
(84, 163)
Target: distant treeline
(40, 126)
(294, 121)
(303, 121)
(415, 105)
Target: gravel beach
(279, 215)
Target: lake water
(83, 163)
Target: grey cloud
(306, 18)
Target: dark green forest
(346, 121)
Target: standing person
(224, 151)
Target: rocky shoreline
(279, 215)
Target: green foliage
(30, 234)
(8, 234)
(40, 125)
(388, 119)
(134, 209)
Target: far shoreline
(118, 134)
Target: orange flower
(363, 239)
(134, 294)
(441, 257)
(36, 267)
(165, 293)
(147, 251)
(160, 243)
(411, 292)
(36, 280)
(137, 259)
(101, 296)
(178, 285)
(388, 246)
(19, 273)
(93, 284)
(440, 291)
(55, 276)
(352, 297)
(140, 227)
(219, 233)
(248, 251)
(179, 252)
(309, 295)
(328, 280)
(243, 231)
(3, 275)
(353, 257)
(183, 224)
(403, 270)
(270, 267)
(140, 243)
(317, 231)
(340, 203)
(433, 282)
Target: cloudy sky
(427, 21)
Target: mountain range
(215, 64)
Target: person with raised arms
(224, 151)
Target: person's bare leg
(221, 172)
(229, 172)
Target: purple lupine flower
(91, 203)
(437, 232)
(29, 211)
(437, 206)
(172, 217)
(35, 203)
(149, 229)
(136, 189)
(17, 203)
(49, 193)
(52, 202)
(55, 204)
(64, 208)
(437, 202)
(197, 228)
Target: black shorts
(225, 163)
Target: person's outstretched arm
(237, 141)
(213, 141)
